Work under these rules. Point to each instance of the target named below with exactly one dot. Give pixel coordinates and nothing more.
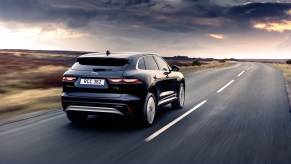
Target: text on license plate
(93, 81)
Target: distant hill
(265, 60)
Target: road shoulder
(30, 116)
(286, 71)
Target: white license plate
(93, 81)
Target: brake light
(124, 81)
(69, 79)
(129, 110)
(131, 81)
(115, 80)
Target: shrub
(179, 62)
(196, 63)
(288, 62)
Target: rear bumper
(125, 104)
(92, 109)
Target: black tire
(149, 111)
(77, 117)
(179, 102)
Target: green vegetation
(196, 63)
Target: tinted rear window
(102, 61)
(102, 64)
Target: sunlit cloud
(60, 33)
(289, 12)
(13, 35)
(216, 36)
(283, 26)
(45, 31)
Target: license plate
(93, 81)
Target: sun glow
(283, 26)
(34, 37)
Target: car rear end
(95, 84)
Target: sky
(195, 28)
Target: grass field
(31, 81)
(286, 69)
(204, 65)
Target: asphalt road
(232, 115)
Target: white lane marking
(250, 67)
(225, 86)
(173, 122)
(241, 73)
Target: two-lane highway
(238, 114)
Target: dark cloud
(173, 16)
(34, 11)
(260, 11)
(242, 17)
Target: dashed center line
(173, 122)
(154, 135)
(240, 73)
(250, 67)
(225, 86)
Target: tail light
(69, 79)
(115, 81)
(131, 81)
(124, 81)
(129, 110)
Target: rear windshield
(100, 64)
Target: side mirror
(175, 68)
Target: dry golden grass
(46, 68)
(44, 77)
(29, 100)
(205, 65)
(35, 55)
(29, 84)
(29, 91)
(286, 69)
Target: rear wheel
(149, 110)
(179, 102)
(76, 117)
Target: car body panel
(128, 98)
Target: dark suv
(127, 84)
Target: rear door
(94, 75)
(158, 76)
(169, 80)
